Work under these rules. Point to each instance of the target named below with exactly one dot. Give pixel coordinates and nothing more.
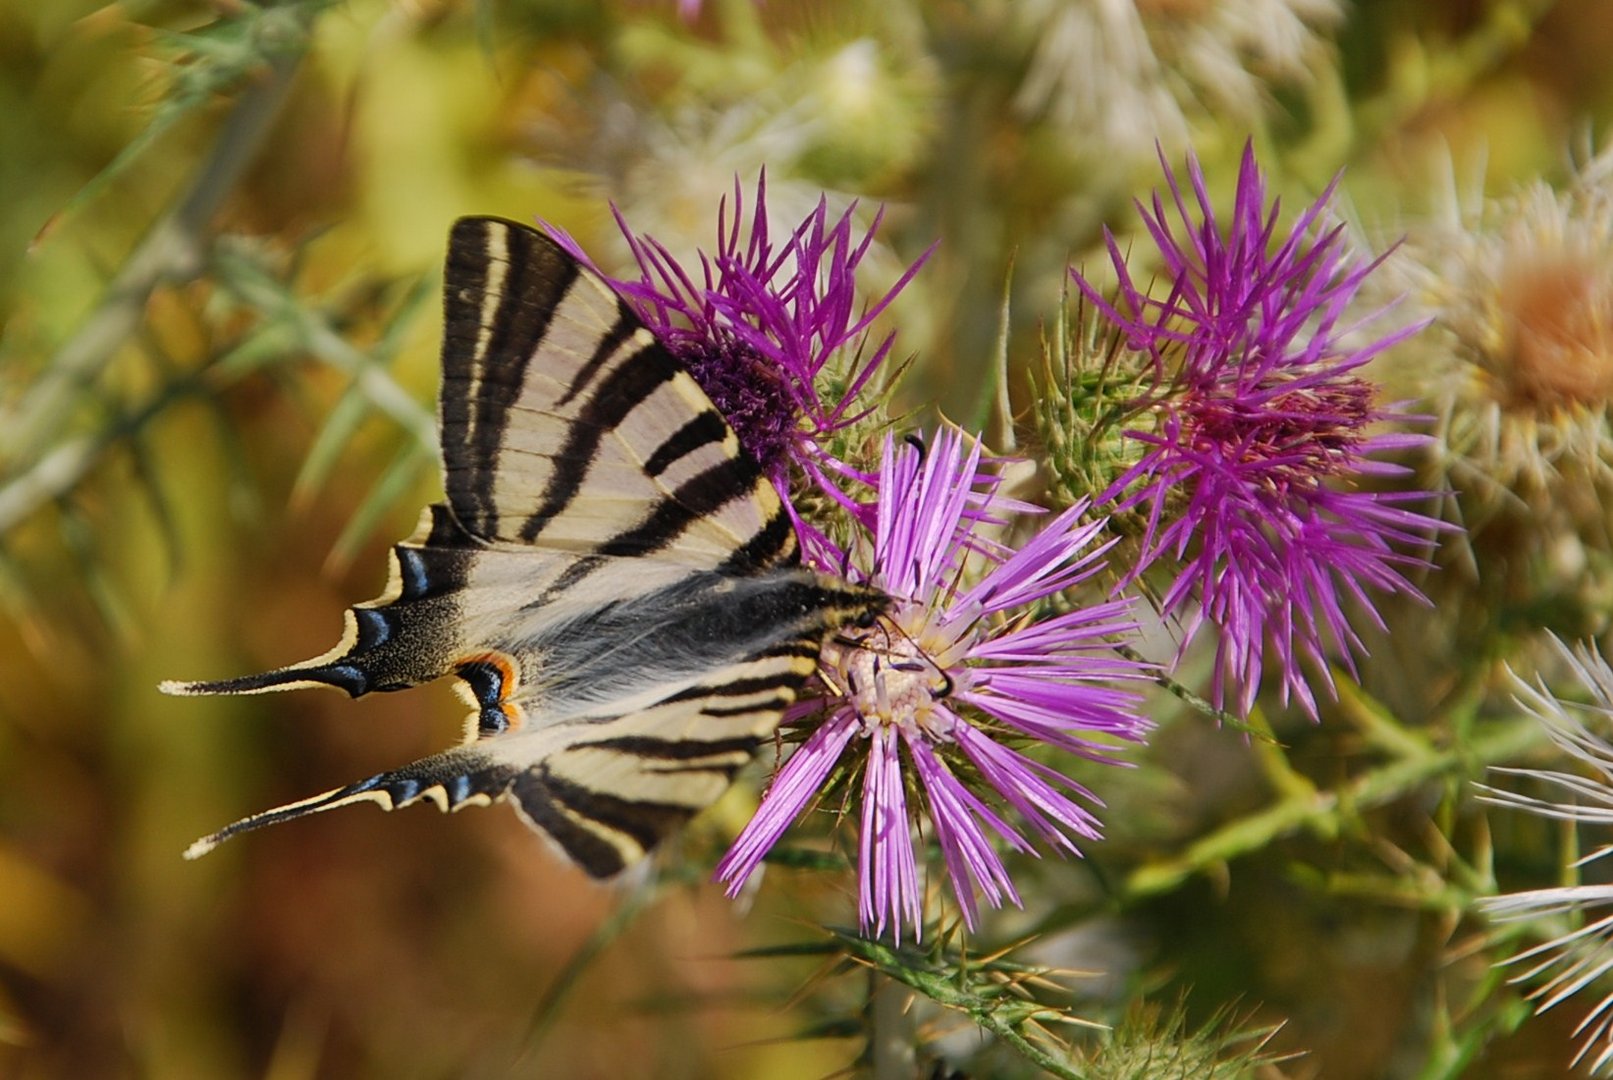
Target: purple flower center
(1296, 434)
(751, 392)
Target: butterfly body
(612, 579)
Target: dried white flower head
(1518, 368)
(1577, 960)
(1130, 74)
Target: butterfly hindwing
(637, 717)
(611, 577)
(614, 788)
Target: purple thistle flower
(938, 688)
(759, 323)
(1260, 433)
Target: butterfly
(612, 579)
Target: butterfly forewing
(611, 577)
(566, 424)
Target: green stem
(1194, 701)
(1003, 1015)
(1302, 810)
(1029, 1050)
(66, 465)
(315, 334)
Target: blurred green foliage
(217, 272)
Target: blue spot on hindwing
(403, 789)
(349, 677)
(412, 571)
(374, 629)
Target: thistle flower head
(929, 704)
(775, 332)
(1256, 429)
(1568, 963)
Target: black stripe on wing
(730, 479)
(707, 428)
(773, 545)
(633, 380)
(602, 833)
(736, 688)
(587, 848)
(690, 750)
(566, 579)
(502, 285)
(773, 705)
(624, 326)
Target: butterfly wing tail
(600, 832)
(405, 637)
(348, 677)
(464, 776)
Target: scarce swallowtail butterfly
(611, 577)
